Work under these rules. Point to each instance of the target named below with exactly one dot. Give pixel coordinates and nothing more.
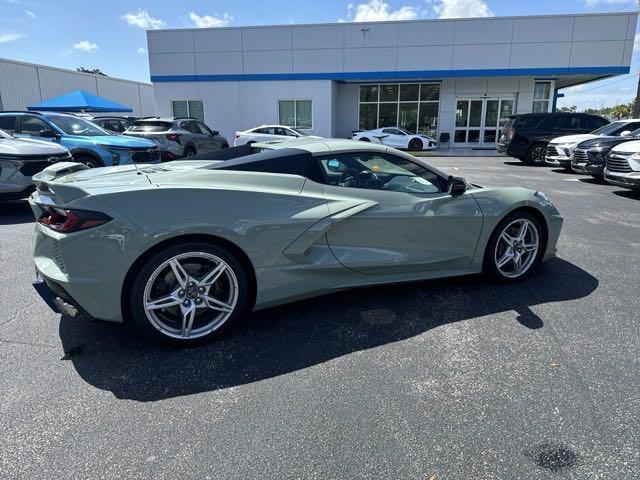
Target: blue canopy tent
(79, 101)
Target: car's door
(211, 140)
(392, 215)
(393, 138)
(8, 123)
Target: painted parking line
(571, 179)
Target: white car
(397, 138)
(268, 133)
(623, 165)
(20, 159)
(560, 149)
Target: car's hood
(628, 147)
(572, 139)
(606, 142)
(29, 147)
(120, 141)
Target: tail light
(511, 133)
(67, 221)
(173, 137)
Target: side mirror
(215, 133)
(457, 186)
(626, 133)
(49, 134)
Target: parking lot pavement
(461, 379)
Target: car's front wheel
(415, 145)
(515, 247)
(188, 294)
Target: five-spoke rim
(190, 295)
(517, 248)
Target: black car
(526, 136)
(589, 157)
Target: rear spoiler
(63, 193)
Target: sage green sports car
(183, 249)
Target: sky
(110, 35)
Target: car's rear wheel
(189, 151)
(188, 294)
(415, 145)
(89, 162)
(515, 247)
(536, 154)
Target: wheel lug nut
(191, 284)
(198, 300)
(181, 293)
(201, 289)
(186, 303)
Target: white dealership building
(461, 77)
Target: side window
(564, 123)
(204, 129)
(374, 171)
(591, 123)
(8, 123)
(192, 127)
(33, 125)
(289, 133)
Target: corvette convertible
(183, 249)
(397, 138)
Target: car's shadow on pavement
(290, 338)
(630, 194)
(13, 212)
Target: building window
(188, 108)
(295, 113)
(541, 97)
(412, 106)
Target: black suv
(526, 136)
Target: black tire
(135, 301)
(536, 154)
(189, 151)
(364, 139)
(415, 145)
(491, 253)
(90, 162)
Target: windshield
(4, 134)
(406, 132)
(76, 126)
(610, 129)
(150, 126)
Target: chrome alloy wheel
(517, 248)
(190, 295)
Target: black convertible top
(291, 161)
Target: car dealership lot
(457, 378)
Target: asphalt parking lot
(456, 379)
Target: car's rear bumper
(56, 297)
(627, 180)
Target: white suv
(623, 165)
(267, 133)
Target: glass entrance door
(478, 121)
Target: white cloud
(85, 46)
(209, 21)
(461, 9)
(10, 37)
(379, 10)
(30, 13)
(595, 3)
(142, 19)
(141, 50)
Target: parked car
(622, 166)
(87, 142)
(178, 137)
(270, 228)
(397, 137)
(589, 157)
(526, 136)
(20, 159)
(266, 133)
(113, 124)
(560, 150)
